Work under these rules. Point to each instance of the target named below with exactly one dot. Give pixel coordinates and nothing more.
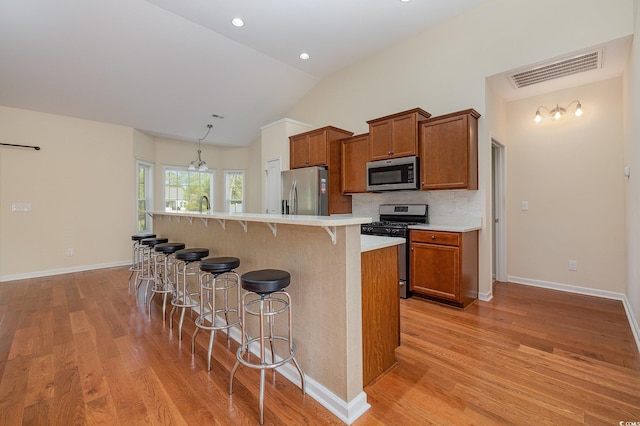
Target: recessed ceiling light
(304, 56)
(405, 1)
(237, 22)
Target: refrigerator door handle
(295, 197)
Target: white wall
(81, 188)
(444, 70)
(571, 173)
(632, 185)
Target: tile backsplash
(442, 204)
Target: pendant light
(200, 164)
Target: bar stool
(164, 266)
(217, 275)
(136, 266)
(147, 270)
(269, 284)
(186, 265)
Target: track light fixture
(558, 112)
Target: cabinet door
(448, 154)
(380, 140)
(355, 152)
(435, 270)
(404, 136)
(299, 147)
(318, 149)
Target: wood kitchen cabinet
(395, 135)
(355, 154)
(380, 311)
(322, 147)
(444, 266)
(449, 151)
(314, 148)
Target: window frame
(148, 199)
(182, 169)
(228, 200)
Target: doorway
(498, 211)
(272, 186)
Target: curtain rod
(37, 148)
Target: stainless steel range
(395, 220)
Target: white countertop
(374, 242)
(451, 224)
(447, 228)
(338, 220)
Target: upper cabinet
(449, 151)
(323, 147)
(355, 154)
(395, 135)
(313, 148)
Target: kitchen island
(323, 256)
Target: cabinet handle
(390, 153)
(433, 237)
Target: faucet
(207, 205)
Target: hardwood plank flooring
(79, 349)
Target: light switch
(524, 206)
(21, 207)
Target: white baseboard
(485, 297)
(50, 272)
(633, 322)
(348, 412)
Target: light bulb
(192, 166)
(203, 167)
(557, 115)
(579, 110)
(538, 117)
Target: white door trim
(498, 205)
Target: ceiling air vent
(585, 62)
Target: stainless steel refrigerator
(305, 191)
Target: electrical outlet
(524, 206)
(20, 207)
(573, 265)
(69, 252)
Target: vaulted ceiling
(166, 66)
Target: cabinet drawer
(436, 237)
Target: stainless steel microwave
(393, 174)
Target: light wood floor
(78, 349)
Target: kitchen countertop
(451, 224)
(338, 220)
(447, 228)
(374, 242)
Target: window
(144, 195)
(184, 190)
(234, 191)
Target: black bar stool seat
(168, 247)
(192, 254)
(266, 281)
(142, 236)
(216, 265)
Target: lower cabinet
(380, 311)
(444, 266)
